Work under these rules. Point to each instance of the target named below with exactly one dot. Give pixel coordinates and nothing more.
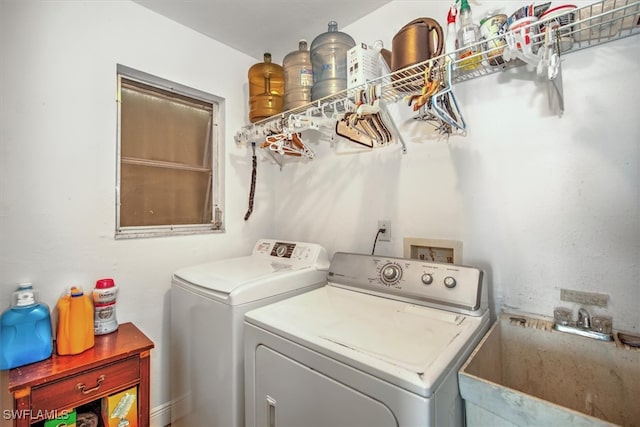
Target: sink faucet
(598, 328)
(584, 319)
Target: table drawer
(85, 386)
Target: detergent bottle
(75, 323)
(25, 330)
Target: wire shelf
(581, 28)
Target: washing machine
(380, 345)
(208, 302)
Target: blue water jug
(25, 330)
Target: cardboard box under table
(120, 408)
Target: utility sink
(525, 373)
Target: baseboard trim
(161, 415)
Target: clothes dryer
(380, 345)
(208, 302)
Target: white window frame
(217, 161)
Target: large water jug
(25, 334)
(75, 323)
(329, 62)
(266, 89)
(298, 77)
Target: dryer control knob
(427, 279)
(391, 273)
(450, 282)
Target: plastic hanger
(445, 104)
(431, 86)
(288, 143)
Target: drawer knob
(83, 388)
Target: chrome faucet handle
(602, 324)
(584, 319)
(562, 315)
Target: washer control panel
(283, 249)
(298, 252)
(427, 283)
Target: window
(169, 158)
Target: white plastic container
(363, 65)
(526, 34)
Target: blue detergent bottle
(25, 330)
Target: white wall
(58, 156)
(540, 202)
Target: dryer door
(289, 394)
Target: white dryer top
(273, 267)
(409, 345)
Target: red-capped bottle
(104, 304)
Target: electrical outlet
(386, 224)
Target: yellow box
(121, 407)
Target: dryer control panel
(453, 287)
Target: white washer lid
(409, 345)
(240, 280)
(226, 275)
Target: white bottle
(384, 57)
(467, 40)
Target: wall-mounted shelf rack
(591, 25)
